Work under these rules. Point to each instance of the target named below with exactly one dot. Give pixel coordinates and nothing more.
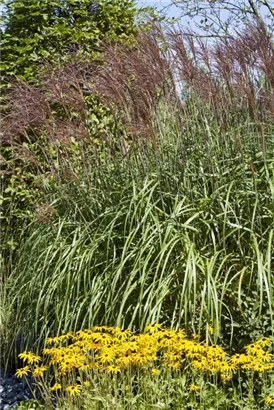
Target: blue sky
(173, 11)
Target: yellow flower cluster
(112, 350)
(256, 357)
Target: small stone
(13, 390)
(10, 394)
(11, 382)
(20, 396)
(15, 379)
(7, 401)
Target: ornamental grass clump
(77, 364)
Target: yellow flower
(153, 328)
(194, 347)
(269, 366)
(228, 366)
(265, 341)
(124, 361)
(193, 356)
(226, 377)
(113, 369)
(265, 356)
(224, 366)
(254, 348)
(107, 355)
(194, 387)
(56, 386)
(101, 328)
(155, 372)
(120, 335)
(29, 357)
(23, 371)
(259, 367)
(211, 329)
(215, 351)
(39, 371)
(175, 365)
(52, 340)
(104, 338)
(198, 364)
(86, 383)
(240, 359)
(74, 390)
(69, 335)
(140, 358)
(172, 356)
(269, 400)
(68, 363)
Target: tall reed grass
(172, 221)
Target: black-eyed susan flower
(264, 341)
(107, 355)
(269, 400)
(39, 371)
(259, 367)
(113, 369)
(153, 328)
(56, 386)
(29, 357)
(140, 358)
(74, 390)
(23, 371)
(240, 359)
(254, 349)
(266, 356)
(198, 364)
(225, 377)
(52, 340)
(194, 387)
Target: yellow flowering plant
(73, 362)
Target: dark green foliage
(52, 32)
(55, 30)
